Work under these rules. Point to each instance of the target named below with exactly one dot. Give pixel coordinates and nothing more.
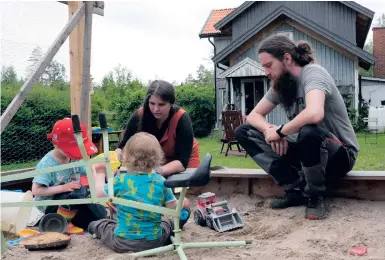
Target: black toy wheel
(209, 223)
(198, 218)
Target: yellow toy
(115, 163)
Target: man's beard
(286, 86)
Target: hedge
(197, 101)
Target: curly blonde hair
(142, 152)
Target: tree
(8, 75)
(34, 59)
(205, 77)
(54, 73)
(190, 79)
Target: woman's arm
(183, 147)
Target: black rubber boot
(315, 209)
(292, 198)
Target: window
(382, 102)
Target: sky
(153, 39)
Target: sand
(275, 234)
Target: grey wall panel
(333, 16)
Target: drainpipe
(359, 94)
(215, 81)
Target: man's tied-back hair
(278, 45)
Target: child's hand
(71, 186)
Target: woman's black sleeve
(184, 140)
(131, 129)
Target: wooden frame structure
(79, 30)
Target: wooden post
(85, 113)
(76, 44)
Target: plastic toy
(53, 222)
(216, 215)
(115, 163)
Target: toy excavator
(216, 215)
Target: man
(317, 145)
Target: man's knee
(311, 133)
(241, 132)
(245, 131)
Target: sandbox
(276, 234)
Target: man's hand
(71, 186)
(280, 147)
(271, 135)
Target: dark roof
(363, 19)
(208, 29)
(365, 58)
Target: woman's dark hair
(278, 45)
(159, 88)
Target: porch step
(259, 173)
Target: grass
(370, 157)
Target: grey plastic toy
(53, 222)
(216, 215)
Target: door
(253, 92)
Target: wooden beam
(98, 7)
(85, 114)
(76, 43)
(18, 100)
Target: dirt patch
(275, 234)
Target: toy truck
(216, 215)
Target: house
(373, 88)
(336, 31)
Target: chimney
(379, 52)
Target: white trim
(231, 92)
(254, 66)
(373, 79)
(243, 101)
(356, 84)
(265, 91)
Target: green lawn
(370, 157)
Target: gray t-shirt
(336, 119)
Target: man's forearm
(302, 119)
(258, 122)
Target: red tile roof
(214, 17)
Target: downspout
(215, 81)
(359, 95)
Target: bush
(125, 105)
(25, 137)
(363, 111)
(199, 103)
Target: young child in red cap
(65, 184)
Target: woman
(170, 124)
